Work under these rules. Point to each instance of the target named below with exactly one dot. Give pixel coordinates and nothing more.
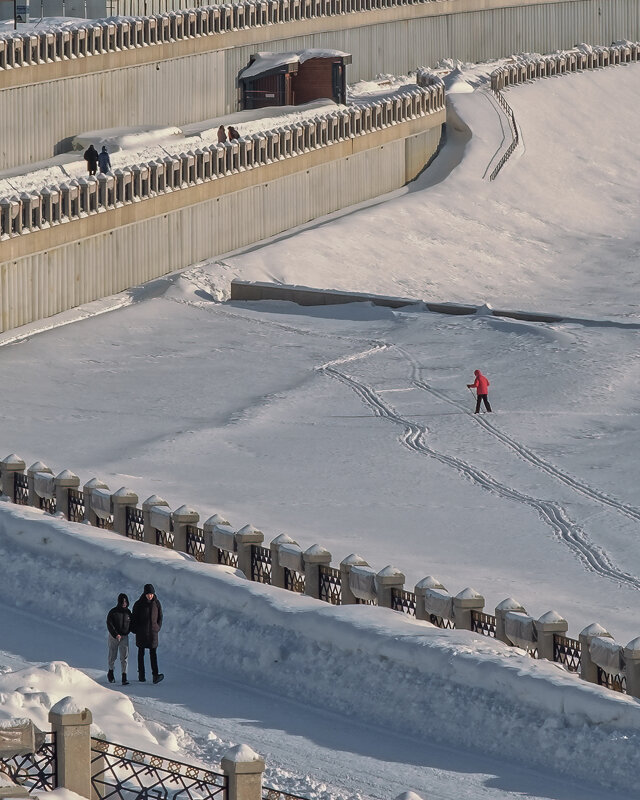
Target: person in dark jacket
(104, 161)
(91, 157)
(118, 625)
(146, 621)
(222, 136)
(233, 134)
(481, 385)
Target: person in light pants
(118, 625)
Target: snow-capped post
(210, 548)
(34, 469)
(277, 571)
(90, 515)
(9, 466)
(632, 667)
(246, 537)
(464, 603)
(547, 627)
(421, 589)
(588, 667)
(183, 518)
(501, 609)
(63, 482)
(149, 532)
(72, 728)
(353, 560)
(315, 557)
(409, 796)
(389, 578)
(243, 768)
(122, 500)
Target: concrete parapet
(72, 728)
(588, 667)
(149, 534)
(65, 481)
(421, 589)
(182, 518)
(388, 579)
(346, 565)
(501, 610)
(9, 466)
(313, 558)
(122, 500)
(210, 548)
(245, 538)
(547, 626)
(243, 768)
(35, 469)
(464, 603)
(90, 515)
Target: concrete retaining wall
(188, 76)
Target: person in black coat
(91, 157)
(118, 625)
(146, 622)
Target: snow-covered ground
(349, 426)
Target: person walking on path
(146, 621)
(91, 157)
(104, 161)
(222, 136)
(481, 385)
(233, 134)
(118, 625)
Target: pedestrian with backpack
(481, 385)
(146, 621)
(118, 625)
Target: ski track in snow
(592, 556)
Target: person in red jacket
(481, 385)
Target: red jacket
(481, 383)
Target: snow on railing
(594, 656)
(530, 67)
(76, 199)
(116, 34)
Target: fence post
(8, 468)
(149, 534)
(632, 668)
(64, 481)
(182, 518)
(352, 560)
(315, 556)
(421, 589)
(34, 500)
(464, 603)
(588, 668)
(501, 609)
(245, 538)
(388, 579)
(210, 550)
(122, 500)
(90, 515)
(277, 572)
(243, 768)
(72, 727)
(546, 627)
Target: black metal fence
(36, 771)
(617, 682)
(48, 504)
(135, 523)
(123, 773)
(76, 508)
(403, 601)
(195, 542)
(260, 564)
(164, 538)
(21, 488)
(294, 581)
(227, 558)
(330, 585)
(567, 652)
(483, 623)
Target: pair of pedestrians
(145, 622)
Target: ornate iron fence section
(483, 623)
(330, 585)
(567, 652)
(21, 488)
(135, 523)
(76, 505)
(48, 504)
(278, 794)
(514, 134)
(195, 542)
(360, 602)
(36, 771)
(122, 773)
(294, 581)
(106, 523)
(260, 564)
(615, 682)
(227, 558)
(164, 538)
(441, 622)
(403, 601)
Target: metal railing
(75, 512)
(330, 585)
(123, 773)
(260, 564)
(48, 504)
(515, 135)
(195, 542)
(227, 558)
(441, 622)
(135, 523)
(36, 771)
(482, 623)
(567, 652)
(616, 682)
(164, 538)
(106, 523)
(294, 581)
(403, 601)
(21, 488)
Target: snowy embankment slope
(370, 663)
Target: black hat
(148, 589)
